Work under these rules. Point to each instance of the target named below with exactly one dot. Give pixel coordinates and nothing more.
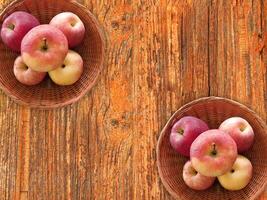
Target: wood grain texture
(161, 54)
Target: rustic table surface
(160, 55)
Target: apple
(44, 48)
(184, 132)
(213, 153)
(71, 25)
(70, 71)
(26, 75)
(240, 130)
(195, 180)
(15, 27)
(239, 175)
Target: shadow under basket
(213, 110)
(47, 94)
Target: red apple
(71, 25)
(195, 180)
(15, 27)
(26, 75)
(70, 71)
(184, 132)
(239, 176)
(241, 131)
(44, 48)
(213, 153)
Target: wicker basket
(47, 94)
(213, 110)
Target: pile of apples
(45, 48)
(214, 153)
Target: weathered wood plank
(168, 57)
(9, 125)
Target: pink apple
(240, 130)
(26, 75)
(184, 132)
(44, 48)
(70, 71)
(71, 25)
(15, 27)
(195, 180)
(239, 176)
(213, 153)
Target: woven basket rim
(102, 36)
(187, 106)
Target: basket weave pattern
(47, 94)
(213, 110)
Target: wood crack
(209, 70)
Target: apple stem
(45, 47)
(214, 151)
(180, 131)
(11, 26)
(242, 128)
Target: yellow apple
(239, 176)
(70, 71)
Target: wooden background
(161, 54)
